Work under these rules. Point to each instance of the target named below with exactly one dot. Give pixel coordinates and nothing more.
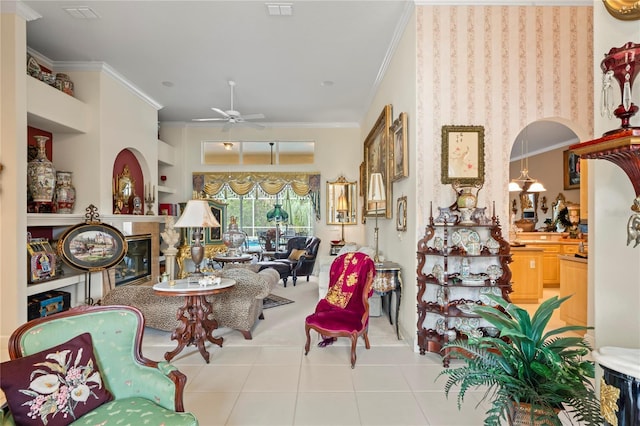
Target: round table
(195, 327)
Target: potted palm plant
(526, 368)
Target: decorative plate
(438, 273)
(467, 239)
(440, 327)
(489, 290)
(494, 272)
(466, 308)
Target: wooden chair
(344, 312)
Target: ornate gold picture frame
(376, 159)
(401, 214)
(463, 155)
(399, 160)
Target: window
(225, 152)
(251, 210)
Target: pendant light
(524, 182)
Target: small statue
(170, 236)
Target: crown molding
(20, 9)
(93, 66)
(300, 125)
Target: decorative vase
(466, 204)
(41, 175)
(65, 193)
(233, 238)
(623, 64)
(521, 415)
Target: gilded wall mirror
(626, 10)
(342, 200)
(125, 186)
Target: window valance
(271, 183)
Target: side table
(195, 327)
(222, 259)
(388, 280)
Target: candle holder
(148, 201)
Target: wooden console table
(195, 327)
(388, 280)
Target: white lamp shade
(536, 187)
(514, 187)
(343, 205)
(197, 214)
(376, 191)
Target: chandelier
(524, 182)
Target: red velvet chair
(344, 312)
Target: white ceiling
(182, 54)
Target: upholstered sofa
(238, 308)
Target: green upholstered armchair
(144, 391)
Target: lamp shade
(197, 214)
(536, 187)
(278, 214)
(376, 191)
(514, 187)
(343, 204)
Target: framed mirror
(342, 202)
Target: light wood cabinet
(573, 282)
(527, 269)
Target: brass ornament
(609, 396)
(626, 10)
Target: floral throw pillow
(56, 386)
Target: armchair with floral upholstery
(93, 351)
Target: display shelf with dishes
(459, 266)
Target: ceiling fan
(231, 116)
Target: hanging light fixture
(524, 182)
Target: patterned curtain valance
(272, 183)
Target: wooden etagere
(459, 264)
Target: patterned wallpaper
(501, 67)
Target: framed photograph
(376, 159)
(399, 160)
(92, 247)
(463, 155)
(401, 214)
(571, 162)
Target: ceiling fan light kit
(231, 116)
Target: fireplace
(135, 267)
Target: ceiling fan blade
(252, 116)
(221, 112)
(209, 119)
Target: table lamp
(342, 207)
(197, 215)
(376, 194)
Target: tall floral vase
(41, 175)
(65, 193)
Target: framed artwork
(463, 155)
(399, 160)
(210, 236)
(571, 162)
(363, 178)
(376, 159)
(92, 247)
(401, 214)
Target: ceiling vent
(279, 9)
(81, 12)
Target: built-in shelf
(49, 108)
(68, 280)
(166, 153)
(166, 190)
(54, 219)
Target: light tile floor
(269, 381)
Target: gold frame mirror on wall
(342, 202)
(626, 10)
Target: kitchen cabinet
(527, 269)
(573, 282)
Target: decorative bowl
(335, 241)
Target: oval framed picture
(92, 247)
(401, 214)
